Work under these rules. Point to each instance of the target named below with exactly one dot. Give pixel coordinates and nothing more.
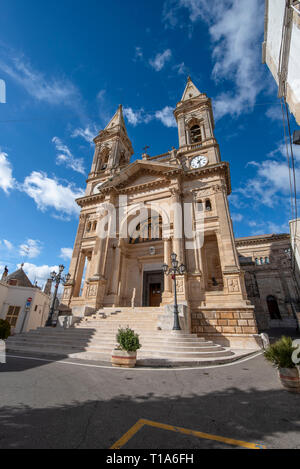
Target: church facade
(134, 215)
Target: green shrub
(128, 340)
(280, 353)
(4, 329)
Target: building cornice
(259, 239)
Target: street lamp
(175, 270)
(57, 278)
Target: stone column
(177, 224)
(116, 271)
(181, 131)
(167, 260)
(202, 132)
(77, 246)
(79, 273)
(98, 257)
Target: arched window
(208, 205)
(103, 159)
(89, 226)
(195, 133)
(256, 261)
(261, 261)
(148, 230)
(94, 226)
(273, 307)
(267, 260)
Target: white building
(281, 49)
(21, 303)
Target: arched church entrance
(142, 263)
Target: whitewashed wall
(273, 33)
(17, 296)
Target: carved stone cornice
(254, 240)
(218, 168)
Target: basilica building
(135, 215)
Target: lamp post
(174, 270)
(57, 278)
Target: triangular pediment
(142, 173)
(191, 91)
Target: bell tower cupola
(113, 147)
(195, 120)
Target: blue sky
(67, 66)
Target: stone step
(147, 360)
(100, 347)
(130, 309)
(106, 354)
(67, 338)
(111, 343)
(92, 332)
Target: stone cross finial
(145, 154)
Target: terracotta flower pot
(123, 358)
(290, 379)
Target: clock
(199, 161)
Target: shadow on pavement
(258, 416)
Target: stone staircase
(94, 338)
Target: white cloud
(136, 117)
(88, 134)
(31, 248)
(138, 54)
(268, 227)
(38, 273)
(274, 113)
(236, 36)
(166, 116)
(270, 185)
(66, 253)
(235, 30)
(181, 69)
(160, 60)
(64, 156)
(43, 88)
(133, 117)
(50, 193)
(101, 94)
(7, 181)
(139, 116)
(8, 244)
(237, 217)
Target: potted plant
(124, 354)
(280, 355)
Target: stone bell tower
(217, 294)
(194, 116)
(112, 153)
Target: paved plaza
(76, 404)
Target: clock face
(199, 161)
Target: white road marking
(236, 362)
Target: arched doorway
(273, 307)
(142, 277)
